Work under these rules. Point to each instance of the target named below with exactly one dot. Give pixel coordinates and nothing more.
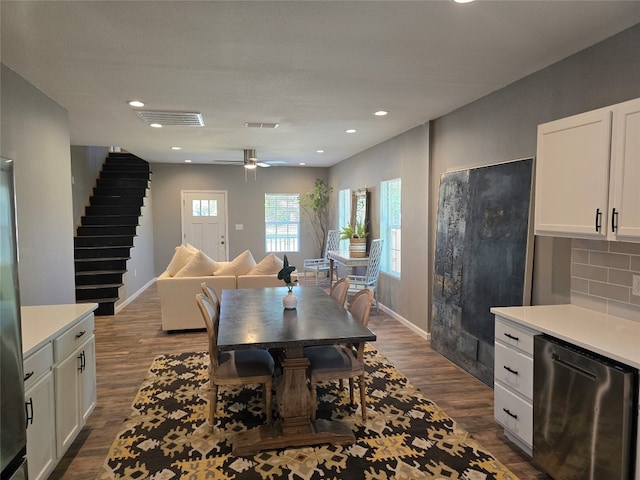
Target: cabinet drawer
(513, 413)
(66, 343)
(36, 364)
(514, 369)
(514, 335)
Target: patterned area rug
(405, 437)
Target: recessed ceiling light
(319, 151)
(463, 1)
(351, 130)
(176, 148)
(302, 164)
(136, 103)
(187, 161)
(381, 113)
(155, 125)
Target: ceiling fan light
(250, 159)
(250, 165)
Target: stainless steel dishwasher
(584, 413)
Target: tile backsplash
(602, 277)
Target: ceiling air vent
(260, 125)
(180, 119)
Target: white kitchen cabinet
(588, 175)
(513, 382)
(74, 382)
(40, 405)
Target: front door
(204, 222)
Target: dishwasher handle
(574, 368)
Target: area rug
(405, 437)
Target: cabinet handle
(28, 406)
(78, 335)
(510, 370)
(81, 358)
(28, 376)
(614, 220)
(508, 335)
(512, 415)
(598, 219)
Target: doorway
(204, 221)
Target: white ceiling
(315, 67)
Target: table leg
(331, 266)
(295, 427)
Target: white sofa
(189, 267)
(178, 295)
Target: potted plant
(289, 301)
(315, 203)
(356, 234)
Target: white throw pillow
(200, 265)
(191, 248)
(238, 266)
(180, 258)
(268, 266)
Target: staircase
(105, 236)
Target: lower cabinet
(60, 394)
(40, 406)
(513, 382)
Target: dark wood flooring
(126, 344)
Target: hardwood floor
(126, 344)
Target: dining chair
(370, 278)
(210, 293)
(317, 265)
(234, 367)
(337, 362)
(339, 290)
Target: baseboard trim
(135, 295)
(406, 323)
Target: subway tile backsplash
(602, 277)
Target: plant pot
(289, 301)
(358, 247)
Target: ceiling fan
(250, 160)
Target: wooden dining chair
(210, 293)
(336, 362)
(339, 290)
(234, 367)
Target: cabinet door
(41, 428)
(88, 379)
(624, 195)
(67, 383)
(572, 176)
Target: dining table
(256, 318)
(344, 258)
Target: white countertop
(613, 337)
(41, 323)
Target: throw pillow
(180, 258)
(268, 266)
(238, 266)
(200, 265)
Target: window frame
(391, 226)
(282, 242)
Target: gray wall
(86, 163)
(406, 157)
(245, 205)
(502, 126)
(35, 134)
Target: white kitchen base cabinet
(39, 397)
(588, 175)
(513, 382)
(58, 346)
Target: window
(282, 222)
(204, 208)
(344, 213)
(391, 225)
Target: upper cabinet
(588, 175)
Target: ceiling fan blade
(263, 165)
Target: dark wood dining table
(256, 318)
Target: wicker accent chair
(235, 367)
(317, 265)
(337, 362)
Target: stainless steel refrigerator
(13, 430)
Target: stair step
(122, 182)
(106, 230)
(106, 306)
(110, 220)
(100, 210)
(97, 241)
(98, 277)
(92, 264)
(115, 200)
(125, 167)
(102, 252)
(99, 291)
(121, 174)
(119, 191)
(125, 158)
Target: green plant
(285, 274)
(358, 230)
(315, 203)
